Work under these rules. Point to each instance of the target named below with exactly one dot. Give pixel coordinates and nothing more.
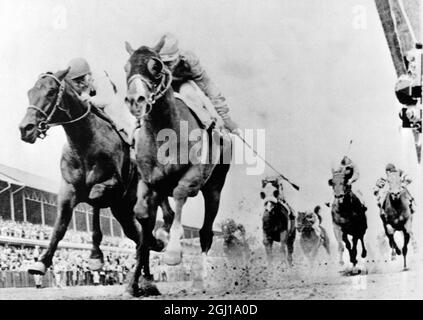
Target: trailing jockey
(188, 76)
(352, 174)
(277, 182)
(100, 93)
(382, 188)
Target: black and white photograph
(212, 150)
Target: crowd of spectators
(70, 266)
(26, 230)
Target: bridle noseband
(156, 90)
(46, 124)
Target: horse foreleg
(173, 252)
(168, 215)
(96, 260)
(353, 251)
(407, 236)
(363, 247)
(268, 243)
(290, 246)
(66, 202)
(338, 236)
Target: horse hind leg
(96, 260)
(124, 214)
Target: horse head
(269, 194)
(147, 78)
(395, 186)
(306, 220)
(338, 185)
(47, 107)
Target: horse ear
(128, 48)
(155, 67)
(62, 74)
(159, 44)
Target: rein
(46, 124)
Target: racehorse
(348, 217)
(277, 223)
(167, 125)
(398, 215)
(234, 243)
(96, 168)
(310, 239)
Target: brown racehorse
(398, 215)
(96, 167)
(181, 174)
(348, 217)
(310, 239)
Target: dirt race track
(383, 279)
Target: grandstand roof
(20, 177)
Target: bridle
(156, 90)
(46, 124)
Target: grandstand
(28, 209)
(26, 197)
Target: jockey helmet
(346, 161)
(390, 167)
(170, 50)
(79, 67)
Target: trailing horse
(348, 217)
(311, 239)
(95, 165)
(168, 125)
(278, 223)
(397, 215)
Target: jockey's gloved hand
(230, 125)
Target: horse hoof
(149, 290)
(37, 268)
(172, 258)
(131, 292)
(97, 191)
(95, 264)
(398, 252)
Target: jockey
(278, 183)
(81, 75)
(351, 175)
(381, 189)
(186, 66)
(99, 92)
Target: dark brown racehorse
(348, 217)
(167, 124)
(278, 225)
(397, 216)
(95, 165)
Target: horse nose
(134, 98)
(26, 128)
